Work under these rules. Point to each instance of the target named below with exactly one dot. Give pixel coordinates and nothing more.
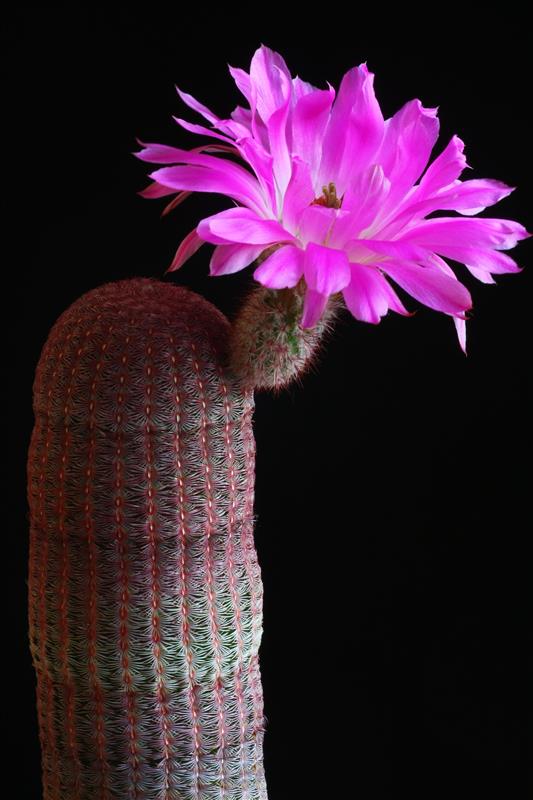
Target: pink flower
(337, 196)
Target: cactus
(145, 592)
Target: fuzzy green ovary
(269, 349)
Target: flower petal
(355, 130)
(277, 135)
(369, 295)
(229, 258)
(430, 286)
(365, 250)
(242, 226)
(466, 197)
(363, 200)
(242, 79)
(191, 101)
(480, 274)
(407, 144)
(261, 162)
(205, 112)
(315, 223)
(309, 120)
(187, 248)
(488, 260)
(282, 269)
(201, 130)
(314, 305)
(163, 154)
(445, 169)
(242, 188)
(243, 116)
(155, 189)
(437, 234)
(299, 194)
(460, 327)
(471, 197)
(269, 91)
(159, 153)
(326, 270)
(301, 88)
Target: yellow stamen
(329, 197)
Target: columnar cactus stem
(145, 593)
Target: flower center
(328, 198)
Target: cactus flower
(336, 197)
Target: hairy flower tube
(335, 198)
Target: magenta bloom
(338, 196)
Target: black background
(391, 490)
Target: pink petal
(269, 90)
(201, 130)
(242, 226)
(467, 197)
(300, 88)
(175, 202)
(229, 258)
(175, 155)
(261, 162)
(164, 154)
(471, 197)
(315, 223)
(299, 194)
(365, 250)
(434, 260)
(314, 305)
(234, 128)
(187, 248)
(480, 274)
(445, 169)
(326, 271)
(237, 174)
(155, 189)
(430, 286)
(309, 120)
(354, 132)
(407, 144)
(242, 79)
(205, 112)
(437, 233)
(488, 260)
(242, 188)
(363, 200)
(189, 100)
(369, 296)
(277, 135)
(281, 269)
(243, 117)
(460, 327)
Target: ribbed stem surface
(145, 593)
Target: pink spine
(145, 593)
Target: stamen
(329, 197)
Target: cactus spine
(145, 593)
